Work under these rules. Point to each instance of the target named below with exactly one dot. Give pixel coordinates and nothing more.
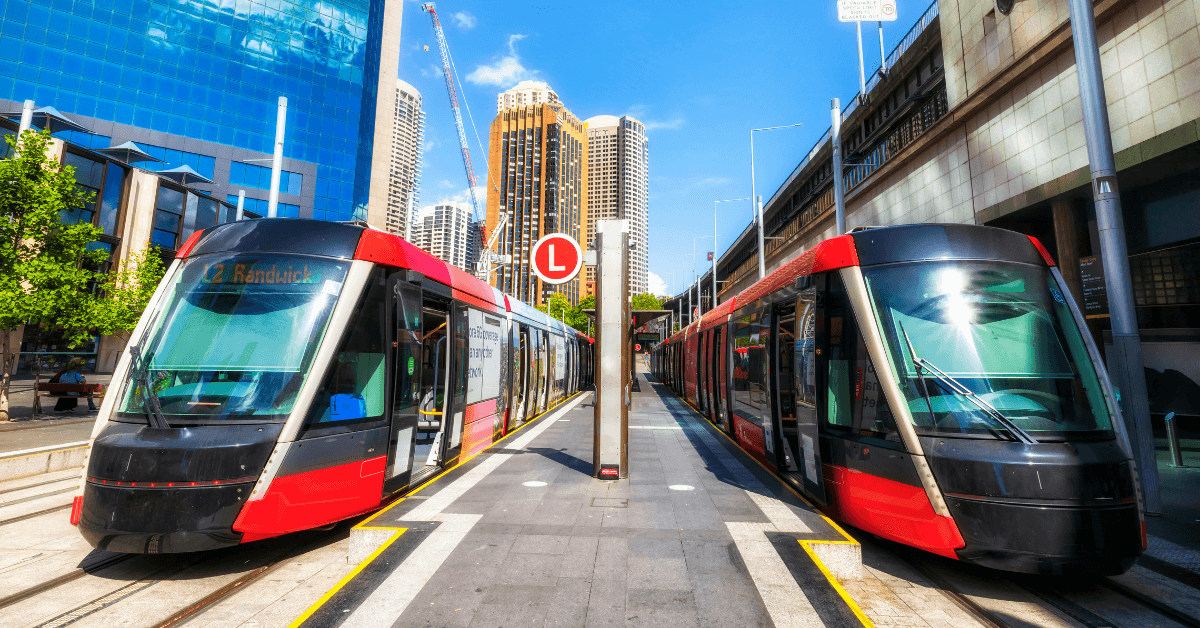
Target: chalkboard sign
(1095, 294)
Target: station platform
(523, 535)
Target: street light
(762, 264)
(714, 259)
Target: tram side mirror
(412, 276)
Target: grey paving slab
(655, 549)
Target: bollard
(1173, 441)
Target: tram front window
(1001, 330)
(235, 337)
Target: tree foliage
(127, 291)
(45, 264)
(50, 269)
(646, 301)
(559, 307)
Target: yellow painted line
(348, 577)
(398, 531)
(837, 586)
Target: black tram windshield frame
(1002, 330)
(235, 337)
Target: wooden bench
(78, 391)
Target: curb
(27, 462)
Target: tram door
(785, 385)
(435, 375)
(720, 378)
(517, 405)
(810, 323)
(419, 343)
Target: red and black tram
(289, 374)
(934, 385)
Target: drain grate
(609, 502)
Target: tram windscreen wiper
(955, 386)
(141, 374)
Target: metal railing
(913, 33)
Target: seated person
(347, 404)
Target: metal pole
(277, 158)
(1126, 365)
(839, 192)
(241, 204)
(758, 213)
(26, 117)
(1173, 441)
(862, 78)
(882, 57)
(762, 256)
(714, 259)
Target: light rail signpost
(556, 258)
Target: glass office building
(196, 82)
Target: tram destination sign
(866, 10)
(556, 258)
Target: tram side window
(855, 399)
(352, 394)
(750, 369)
(806, 349)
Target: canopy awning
(128, 152)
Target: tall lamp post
(714, 259)
(1126, 356)
(695, 280)
(762, 263)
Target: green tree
(646, 301)
(559, 307)
(45, 264)
(126, 292)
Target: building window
(168, 217)
(259, 177)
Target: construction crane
(486, 257)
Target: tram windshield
(999, 330)
(234, 338)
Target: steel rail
(52, 583)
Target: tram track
(1053, 598)
(158, 573)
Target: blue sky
(699, 75)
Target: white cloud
(465, 20)
(639, 111)
(506, 71)
(668, 125)
(657, 285)
(432, 71)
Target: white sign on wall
(483, 357)
(866, 10)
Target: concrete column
(1066, 234)
(610, 445)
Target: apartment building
(404, 167)
(618, 185)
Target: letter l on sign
(554, 267)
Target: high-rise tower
(445, 231)
(618, 183)
(404, 168)
(538, 164)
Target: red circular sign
(556, 258)
(637, 347)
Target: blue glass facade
(212, 70)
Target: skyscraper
(618, 183)
(524, 94)
(404, 168)
(196, 82)
(538, 153)
(445, 231)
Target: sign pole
(882, 58)
(862, 79)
